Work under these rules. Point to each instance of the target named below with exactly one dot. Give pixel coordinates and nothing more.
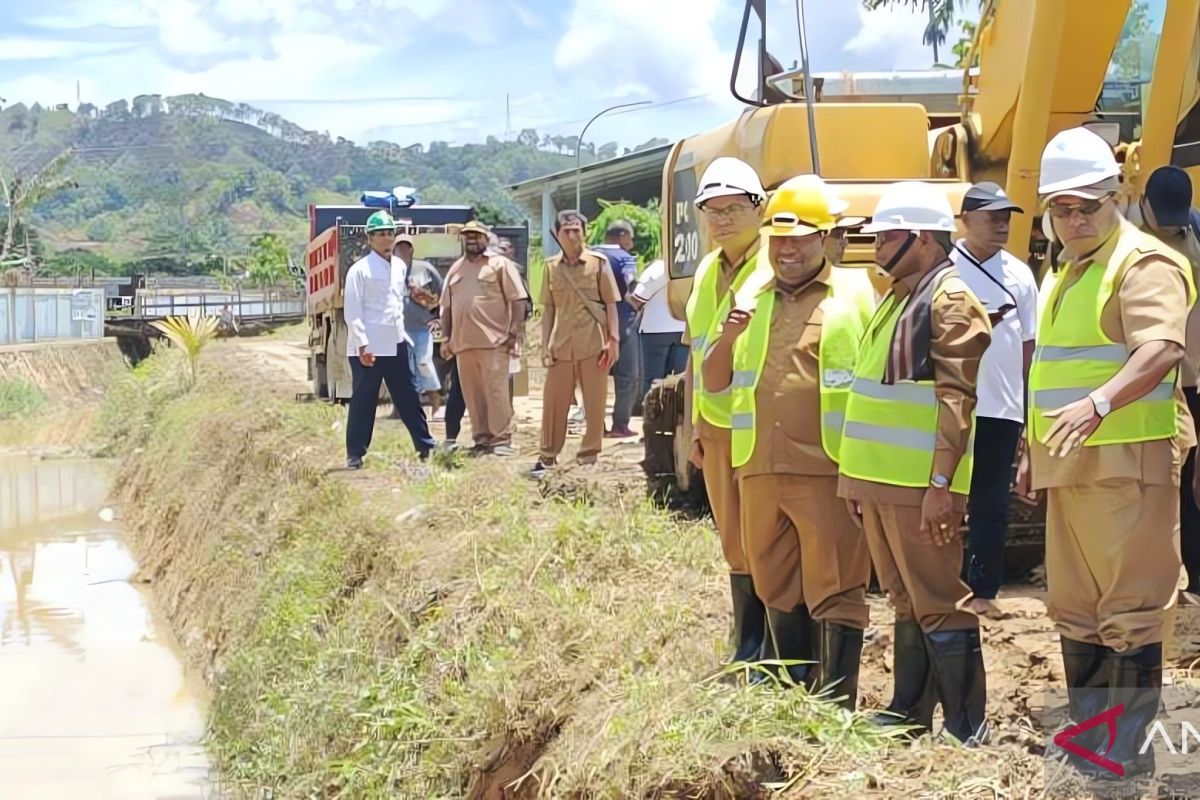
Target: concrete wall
(64, 371)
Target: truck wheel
(320, 378)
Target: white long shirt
(374, 305)
(1002, 279)
(651, 289)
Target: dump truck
(1036, 67)
(336, 241)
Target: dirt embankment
(50, 393)
(417, 632)
(70, 372)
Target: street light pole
(579, 144)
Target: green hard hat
(380, 221)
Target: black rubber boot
(1135, 681)
(1086, 668)
(793, 638)
(913, 698)
(958, 674)
(841, 654)
(749, 620)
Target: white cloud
(666, 48)
(892, 37)
(22, 49)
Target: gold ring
(943, 527)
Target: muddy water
(94, 700)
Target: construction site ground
(1020, 645)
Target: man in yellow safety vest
(1108, 429)
(788, 350)
(730, 199)
(906, 457)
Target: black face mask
(904, 248)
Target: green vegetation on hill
(189, 181)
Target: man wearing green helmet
(377, 345)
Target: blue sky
(419, 70)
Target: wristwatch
(939, 481)
(1103, 407)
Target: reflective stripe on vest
(846, 310)
(705, 312)
(1074, 356)
(891, 429)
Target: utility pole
(507, 117)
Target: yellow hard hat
(801, 206)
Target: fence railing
(30, 314)
(267, 304)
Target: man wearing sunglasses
(786, 352)
(905, 458)
(730, 199)
(1106, 441)
(1006, 287)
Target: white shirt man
(1007, 289)
(374, 306)
(1002, 280)
(663, 351)
(377, 346)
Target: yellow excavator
(1036, 67)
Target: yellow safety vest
(1074, 357)
(891, 429)
(704, 312)
(846, 312)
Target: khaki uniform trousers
(558, 394)
(803, 548)
(922, 580)
(720, 481)
(483, 374)
(1112, 561)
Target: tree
(607, 151)
(528, 138)
(1127, 60)
(962, 49)
(21, 193)
(647, 227)
(941, 16)
(268, 264)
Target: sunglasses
(727, 213)
(1087, 208)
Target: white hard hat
(727, 177)
(1078, 162)
(912, 206)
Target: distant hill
(191, 177)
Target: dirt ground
(1020, 646)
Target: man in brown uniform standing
(1108, 429)
(580, 340)
(906, 457)
(787, 352)
(483, 316)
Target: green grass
(388, 637)
(19, 398)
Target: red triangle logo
(1066, 739)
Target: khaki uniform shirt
(961, 334)
(477, 300)
(1149, 305)
(787, 402)
(725, 278)
(575, 296)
